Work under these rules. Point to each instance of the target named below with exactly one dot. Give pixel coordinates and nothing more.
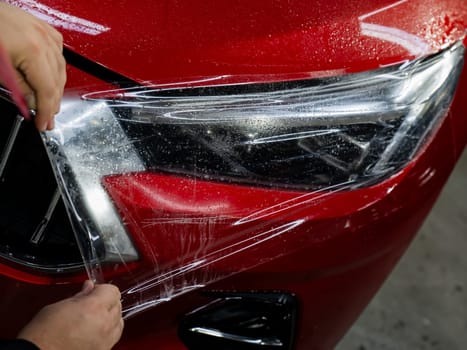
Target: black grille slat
(26, 189)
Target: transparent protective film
(171, 190)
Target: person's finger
(31, 100)
(107, 294)
(116, 316)
(87, 287)
(50, 124)
(26, 91)
(117, 331)
(117, 308)
(50, 33)
(38, 75)
(58, 68)
(53, 40)
(55, 36)
(45, 31)
(49, 90)
(122, 324)
(53, 57)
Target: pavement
(423, 304)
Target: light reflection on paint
(412, 43)
(60, 19)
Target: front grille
(34, 228)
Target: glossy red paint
(351, 241)
(169, 41)
(185, 207)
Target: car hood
(157, 41)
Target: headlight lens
(306, 135)
(347, 131)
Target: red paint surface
(168, 41)
(178, 220)
(333, 268)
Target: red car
(247, 172)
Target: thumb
(88, 286)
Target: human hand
(92, 319)
(35, 51)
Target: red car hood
(159, 41)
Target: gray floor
(423, 305)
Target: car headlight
(343, 132)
